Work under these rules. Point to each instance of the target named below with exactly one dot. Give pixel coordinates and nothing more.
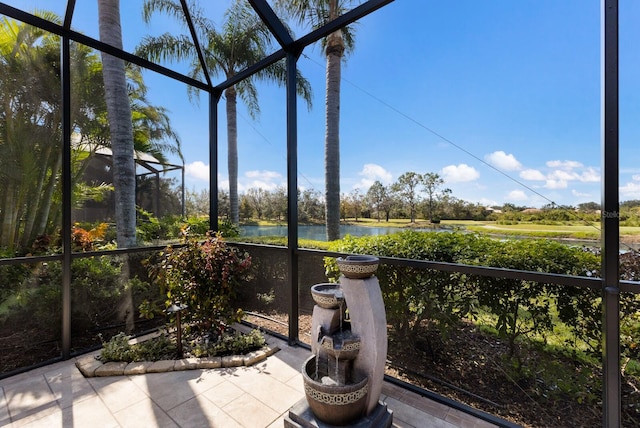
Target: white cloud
(532, 175)
(370, 174)
(485, 202)
(630, 190)
(566, 165)
(263, 175)
(504, 161)
(562, 175)
(574, 192)
(590, 175)
(266, 180)
(374, 172)
(459, 173)
(556, 184)
(197, 170)
(517, 195)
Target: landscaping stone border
(89, 366)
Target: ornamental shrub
(415, 296)
(204, 276)
(526, 308)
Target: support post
(610, 217)
(214, 98)
(65, 61)
(292, 194)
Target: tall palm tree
(242, 41)
(318, 13)
(120, 124)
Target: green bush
(203, 276)
(413, 296)
(519, 308)
(97, 291)
(525, 308)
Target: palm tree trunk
(120, 124)
(232, 154)
(45, 211)
(335, 50)
(121, 132)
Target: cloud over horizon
(504, 161)
(459, 173)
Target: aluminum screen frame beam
(610, 239)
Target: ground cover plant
(196, 344)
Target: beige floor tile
(278, 423)
(89, 413)
(69, 387)
(145, 413)
(200, 412)
(297, 384)
(29, 399)
(250, 413)
(4, 410)
(276, 395)
(168, 390)
(117, 392)
(247, 378)
(223, 393)
(279, 370)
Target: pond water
(317, 232)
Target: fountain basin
(331, 403)
(327, 295)
(344, 345)
(358, 267)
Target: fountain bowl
(344, 345)
(327, 295)
(358, 267)
(332, 403)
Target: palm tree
(120, 124)
(242, 41)
(318, 13)
(31, 128)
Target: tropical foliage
(335, 45)
(204, 277)
(242, 41)
(31, 129)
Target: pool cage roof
(290, 49)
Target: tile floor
(252, 397)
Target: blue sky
(501, 98)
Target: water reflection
(318, 232)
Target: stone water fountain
(343, 376)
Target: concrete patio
(258, 396)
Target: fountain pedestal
(301, 416)
(369, 322)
